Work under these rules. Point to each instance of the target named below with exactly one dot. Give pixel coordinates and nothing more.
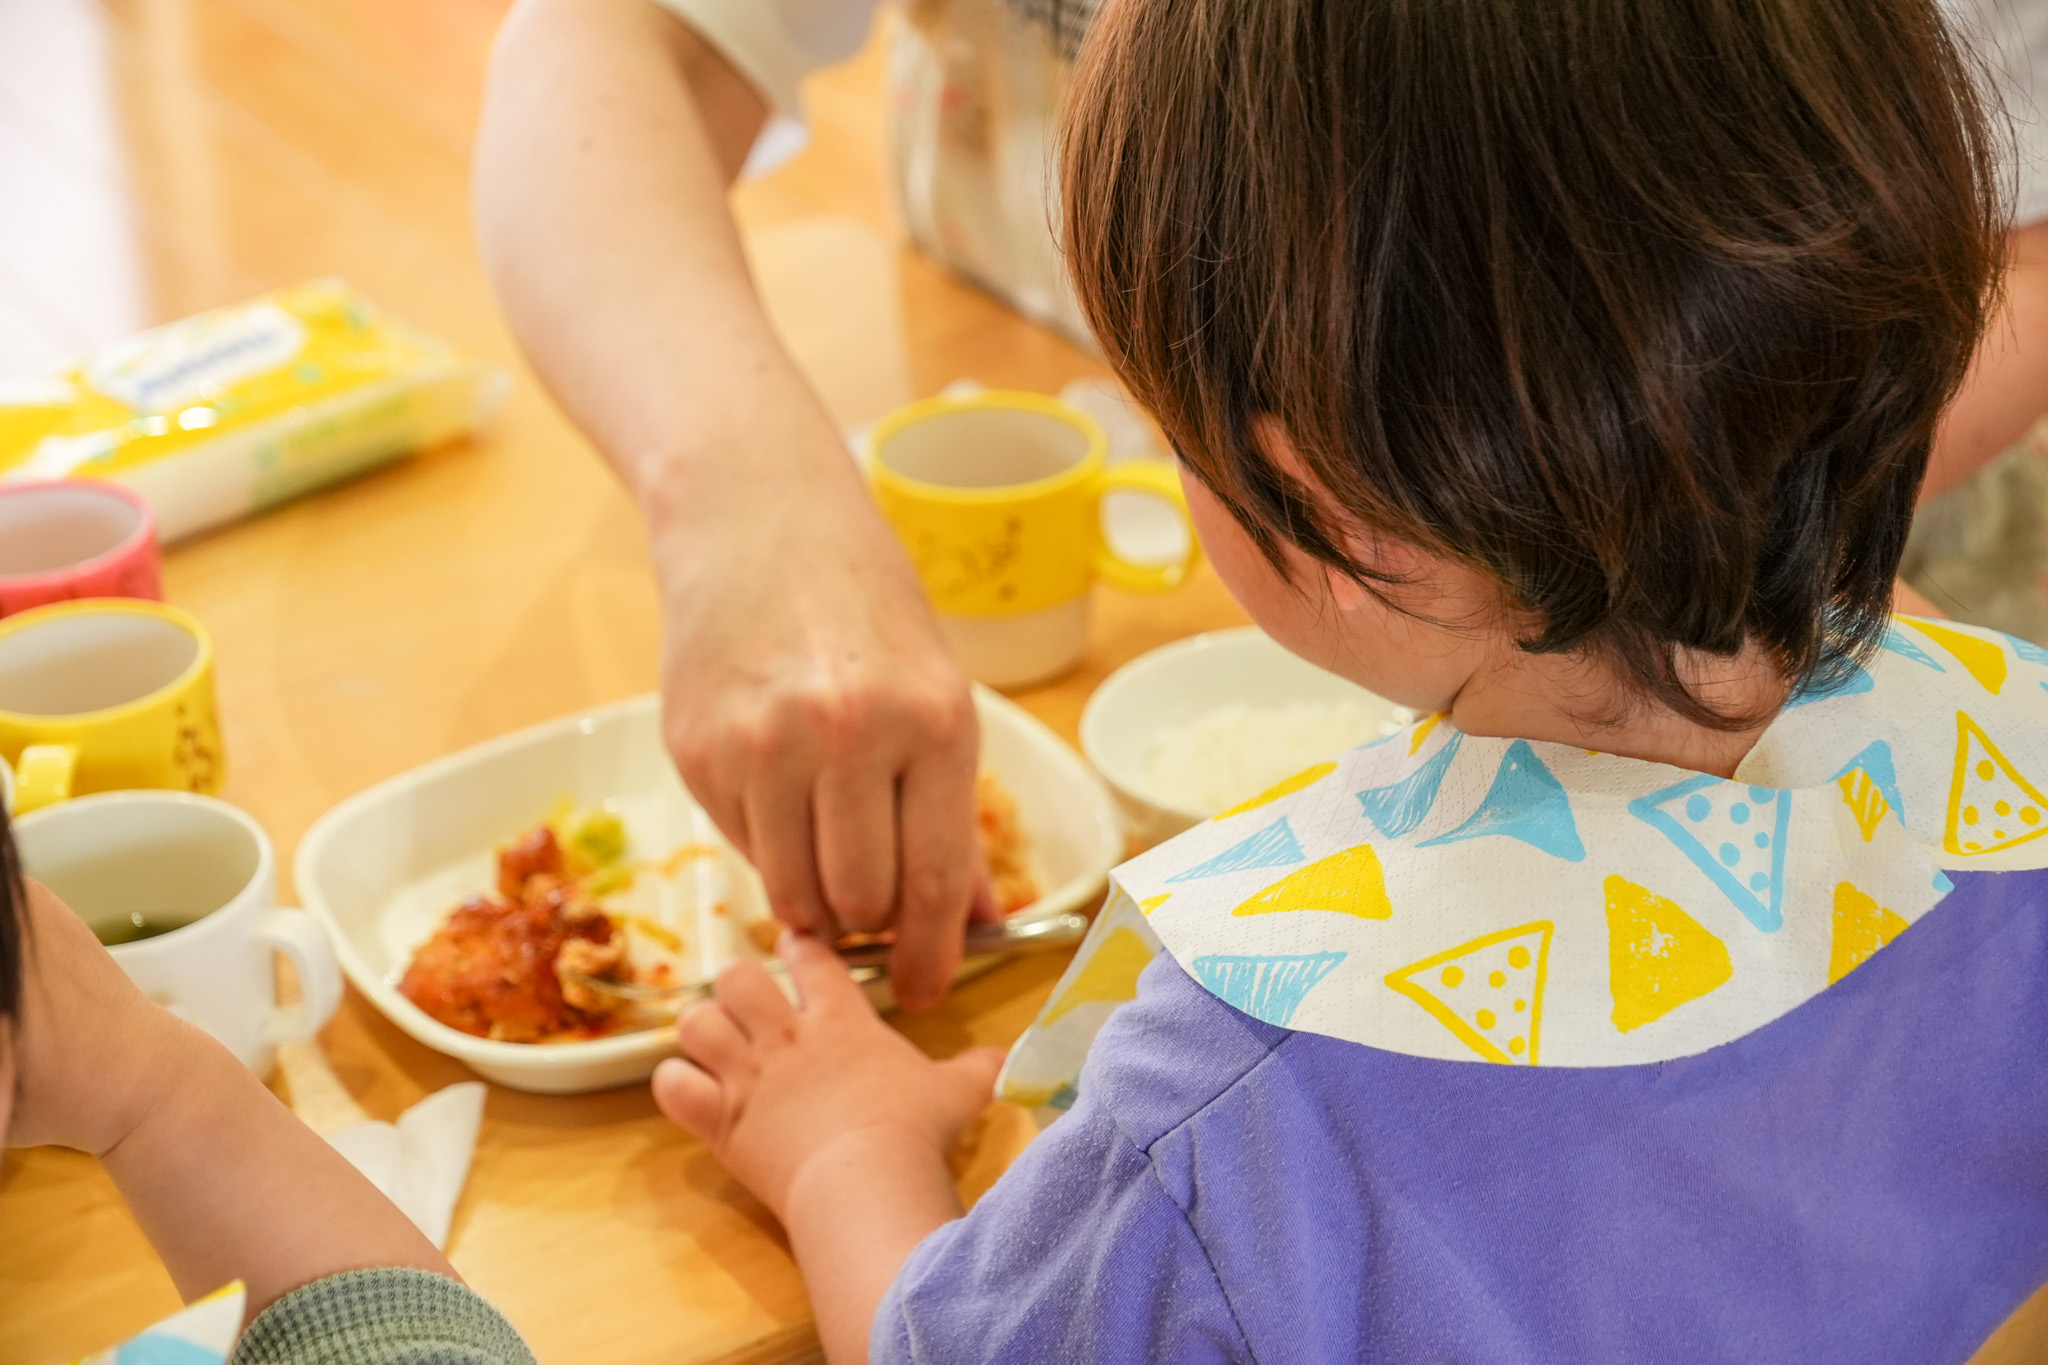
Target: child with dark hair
(1674, 989)
(225, 1181)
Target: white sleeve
(776, 43)
(2011, 39)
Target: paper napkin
(421, 1162)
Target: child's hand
(773, 1086)
(92, 1054)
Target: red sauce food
(489, 970)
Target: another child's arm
(832, 1119)
(226, 1182)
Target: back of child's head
(1645, 310)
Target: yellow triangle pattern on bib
(1307, 777)
(1346, 883)
(1990, 806)
(1488, 992)
(1862, 926)
(1659, 957)
(1865, 799)
(1507, 900)
(1984, 659)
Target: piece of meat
(582, 958)
(489, 970)
(534, 853)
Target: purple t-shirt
(1865, 1181)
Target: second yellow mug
(998, 497)
(106, 694)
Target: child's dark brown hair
(1645, 310)
(13, 919)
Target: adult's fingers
(982, 907)
(755, 1003)
(710, 768)
(689, 1097)
(778, 815)
(855, 816)
(939, 866)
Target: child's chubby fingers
(975, 1070)
(755, 1003)
(970, 1079)
(690, 1097)
(708, 1037)
(821, 977)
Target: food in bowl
(1215, 758)
(511, 967)
(1188, 730)
(519, 965)
(1012, 871)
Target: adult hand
(809, 700)
(815, 711)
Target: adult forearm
(854, 1214)
(228, 1184)
(2006, 391)
(610, 133)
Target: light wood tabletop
(159, 157)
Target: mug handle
(43, 776)
(1161, 480)
(299, 937)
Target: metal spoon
(866, 959)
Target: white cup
(151, 858)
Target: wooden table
(164, 156)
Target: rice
(1210, 761)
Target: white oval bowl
(383, 868)
(1175, 683)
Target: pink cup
(75, 538)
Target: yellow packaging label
(241, 408)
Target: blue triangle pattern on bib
(1896, 641)
(152, 1348)
(1721, 825)
(2027, 650)
(1526, 802)
(1859, 680)
(1273, 846)
(1400, 806)
(1268, 988)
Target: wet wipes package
(227, 413)
(202, 1334)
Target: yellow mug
(998, 498)
(105, 694)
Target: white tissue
(421, 1162)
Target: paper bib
(1534, 904)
